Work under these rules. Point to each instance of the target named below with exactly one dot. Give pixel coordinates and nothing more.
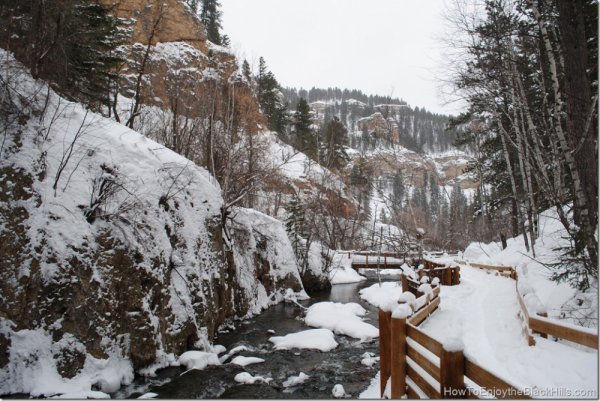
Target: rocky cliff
(114, 257)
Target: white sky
(385, 47)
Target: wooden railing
(539, 323)
(507, 271)
(448, 275)
(421, 367)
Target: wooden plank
(423, 362)
(421, 315)
(567, 333)
(452, 374)
(424, 340)
(404, 280)
(491, 267)
(456, 275)
(491, 383)
(447, 277)
(412, 392)
(522, 305)
(398, 358)
(384, 348)
(423, 384)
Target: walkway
(482, 311)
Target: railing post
(452, 371)
(456, 276)
(385, 260)
(447, 276)
(367, 261)
(384, 348)
(404, 282)
(398, 353)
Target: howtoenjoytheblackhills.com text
(534, 392)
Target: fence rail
(419, 365)
(539, 323)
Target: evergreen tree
(270, 98)
(306, 138)
(246, 71)
(70, 43)
(334, 144)
(211, 18)
(295, 226)
(398, 188)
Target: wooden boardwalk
(385, 260)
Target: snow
(147, 171)
(453, 344)
(32, 368)
(247, 378)
(557, 299)
(425, 289)
(295, 380)
(198, 359)
(342, 319)
(342, 272)
(338, 391)
(147, 396)
(252, 228)
(385, 297)
(402, 311)
(296, 166)
(369, 359)
(373, 390)
(319, 339)
(407, 297)
(482, 313)
(245, 361)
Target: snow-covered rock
(198, 359)
(113, 253)
(319, 339)
(341, 319)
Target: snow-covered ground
(482, 311)
(559, 299)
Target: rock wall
(113, 253)
(160, 21)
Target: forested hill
(377, 121)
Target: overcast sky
(385, 47)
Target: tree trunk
(577, 88)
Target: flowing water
(326, 369)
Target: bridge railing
(419, 366)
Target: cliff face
(113, 254)
(159, 21)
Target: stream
(326, 369)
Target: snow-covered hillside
(560, 300)
(114, 256)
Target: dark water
(326, 369)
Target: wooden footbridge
(446, 274)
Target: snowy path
(482, 310)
